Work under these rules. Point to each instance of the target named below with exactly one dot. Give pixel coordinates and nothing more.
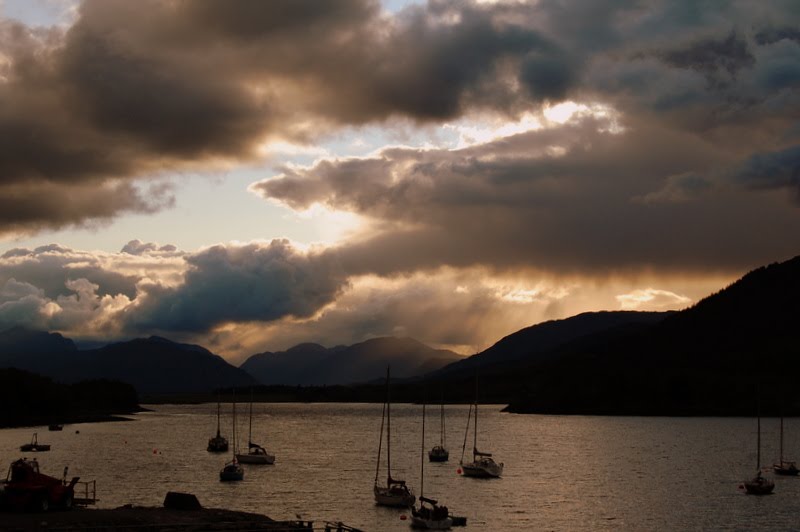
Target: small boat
(759, 485)
(439, 453)
(34, 446)
(785, 467)
(428, 515)
(395, 493)
(232, 471)
(255, 453)
(482, 465)
(55, 427)
(217, 444)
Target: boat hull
(394, 497)
(438, 454)
(431, 524)
(231, 473)
(787, 469)
(34, 448)
(262, 459)
(482, 470)
(759, 486)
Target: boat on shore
(34, 446)
(395, 493)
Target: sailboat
(395, 492)
(785, 467)
(232, 471)
(482, 465)
(439, 453)
(217, 444)
(429, 515)
(759, 485)
(255, 453)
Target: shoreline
(75, 419)
(132, 517)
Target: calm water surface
(561, 473)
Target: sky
(252, 175)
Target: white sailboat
(785, 467)
(395, 492)
(428, 515)
(439, 453)
(482, 465)
(255, 453)
(232, 471)
(759, 485)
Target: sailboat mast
(234, 424)
(475, 439)
(422, 457)
(218, 410)
(250, 428)
(758, 452)
(441, 423)
(781, 440)
(388, 426)
(466, 433)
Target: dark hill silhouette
(33, 350)
(713, 358)
(538, 342)
(313, 364)
(156, 365)
(31, 399)
(152, 365)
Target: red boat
(25, 488)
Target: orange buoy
(403, 517)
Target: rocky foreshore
(136, 518)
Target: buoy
(155, 451)
(458, 470)
(403, 517)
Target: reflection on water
(561, 472)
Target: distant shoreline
(74, 419)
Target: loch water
(561, 472)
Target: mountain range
(719, 357)
(313, 364)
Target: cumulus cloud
(234, 283)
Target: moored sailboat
(785, 467)
(395, 492)
(232, 471)
(428, 515)
(217, 444)
(255, 453)
(439, 453)
(482, 465)
(759, 485)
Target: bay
(561, 472)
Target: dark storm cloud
(772, 169)
(136, 89)
(647, 198)
(713, 57)
(237, 283)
